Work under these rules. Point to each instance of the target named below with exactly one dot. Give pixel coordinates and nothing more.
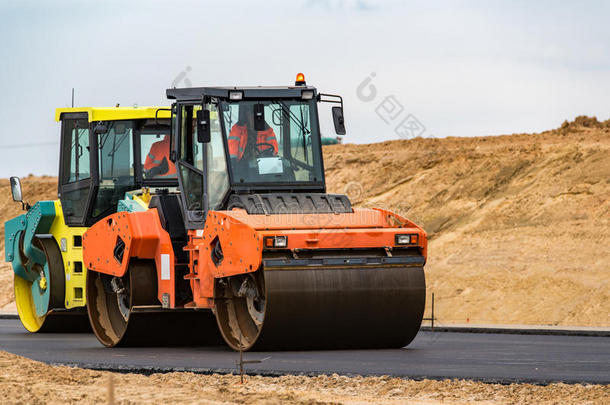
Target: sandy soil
(519, 224)
(26, 381)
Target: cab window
(218, 178)
(116, 169)
(76, 150)
(282, 150)
(155, 153)
(75, 173)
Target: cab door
(75, 166)
(202, 167)
(190, 168)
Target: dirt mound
(519, 224)
(27, 381)
(582, 121)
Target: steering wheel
(264, 149)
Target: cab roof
(196, 93)
(116, 113)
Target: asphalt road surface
(481, 356)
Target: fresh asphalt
(489, 357)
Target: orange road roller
(251, 242)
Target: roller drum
(340, 302)
(139, 320)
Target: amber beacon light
(300, 81)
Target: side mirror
(17, 194)
(338, 120)
(16, 189)
(203, 126)
(277, 116)
(259, 117)
(100, 128)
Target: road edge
(518, 331)
(147, 371)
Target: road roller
(252, 239)
(97, 176)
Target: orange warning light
(300, 79)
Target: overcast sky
(457, 68)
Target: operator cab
(106, 152)
(236, 144)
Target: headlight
(408, 239)
(307, 94)
(281, 241)
(275, 241)
(236, 95)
